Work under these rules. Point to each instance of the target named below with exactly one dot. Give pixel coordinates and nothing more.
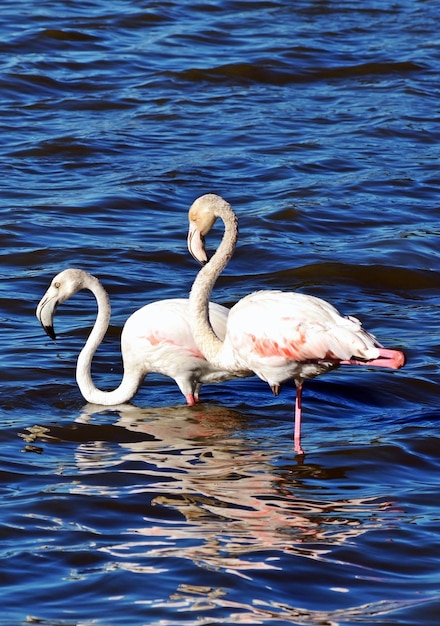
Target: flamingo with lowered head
(278, 335)
(156, 338)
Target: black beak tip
(50, 331)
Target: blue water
(319, 122)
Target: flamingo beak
(45, 313)
(196, 244)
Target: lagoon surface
(319, 122)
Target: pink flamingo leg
(190, 400)
(297, 429)
(393, 359)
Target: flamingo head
(202, 216)
(63, 286)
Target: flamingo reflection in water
(232, 498)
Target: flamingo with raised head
(278, 335)
(156, 338)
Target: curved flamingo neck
(204, 335)
(130, 381)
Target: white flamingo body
(278, 335)
(286, 335)
(156, 338)
(159, 337)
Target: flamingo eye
(56, 285)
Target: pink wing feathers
(291, 326)
(167, 322)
